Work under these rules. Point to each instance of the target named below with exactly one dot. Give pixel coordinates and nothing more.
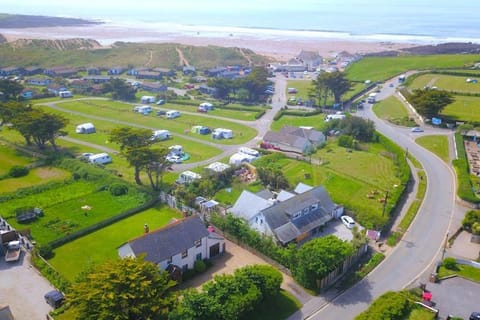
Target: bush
(18, 171)
(199, 266)
(471, 217)
(46, 251)
(465, 190)
(345, 141)
(118, 189)
(450, 263)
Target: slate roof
(248, 205)
(287, 139)
(312, 135)
(302, 187)
(265, 194)
(284, 195)
(170, 240)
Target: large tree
(40, 127)
(123, 289)
(316, 258)
(429, 102)
(333, 83)
(319, 91)
(10, 109)
(10, 89)
(155, 165)
(120, 89)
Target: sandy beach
(280, 47)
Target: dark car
(54, 298)
(475, 316)
(161, 112)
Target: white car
(348, 221)
(417, 129)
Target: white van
(172, 114)
(100, 158)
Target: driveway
(456, 296)
(22, 288)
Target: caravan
(172, 114)
(147, 99)
(142, 109)
(221, 133)
(188, 177)
(100, 158)
(160, 135)
(85, 128)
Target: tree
(224, 87)
(327, 83)
(123, 289)
(359, 128)
(196, 305)
(429, 102)
(265, 277)
(11, 109)
(120, 89)
(316, 258)
(40, 127)
(134, 143)
(10, 89)
(155, 164)
(320, 91)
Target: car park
(348, 221)
(417, 129)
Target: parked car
(417, 129)
(54, 298)
(160, 102)
(475, 316)
(348, 221)
(161, 112)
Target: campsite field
(316, 121)
(446, 82)
(464, 108)
(121, 113)
(99, 246)
(383, 68)
(218, 111)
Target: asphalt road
(421, 245)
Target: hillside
(13, 21)
(88, 52)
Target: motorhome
(172, 114)
(160, 135)
(148, 99)
(221, 133)
(372, 97)
(100, 158)
(65, 94)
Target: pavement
(463, 248)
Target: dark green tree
(10, 109)
(327, 83)
(320, 91)
(429, 102)
(123, 289)
(196, 305)
(120, 89)
(11, 89)
(265, 277)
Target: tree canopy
(11, 89)
(123, 289)
(359, 128)
(327, 83)
(120, 89)
(429, 102)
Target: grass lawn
(279, 307)
(316, 121)
(36, 176)
(465, 271)
(303, 88)
(393, 110)
(437, 144)
(383, 68)
(63, 211)
(113, 111)
(97, 247)
(228, 197)
(10, 157)
(463, 108)
(218, 111)
(445, 82)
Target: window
(297, 214)
(169, 260)
(199, 256)
(185, 267)
(305, 210)
(185, 254)
(314, 206)
(198, 243)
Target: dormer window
(198, 243)
(314, 206)
(297, 214)
(305, 211)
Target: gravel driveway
(22, 288)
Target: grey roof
(302, 187)
(265, 194)
(287, 139)
(248, 205)
(170, 240)
(279, 217)
(284, 195)
(312, 135)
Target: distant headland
(17, 21)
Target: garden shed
(85, 128)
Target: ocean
(412, 21)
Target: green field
(383, 68)
(97, 247)
(438, 144)
(36, 176)
(464, 108)
(445, 82)
(218, 111)
(10, 157)
(394, 111)
(122, 114)
(316, 121)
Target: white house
(85, 128)
(179, 243)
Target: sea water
(417, 21)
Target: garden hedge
(465, 188)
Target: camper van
(100, 158)
(172, 114)
(160, 135)
(372, 97)
(142, 109)
(337, 116)
(85, 128)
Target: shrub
(18, 171)
(450, 263)
(465, 190)
(199, 266)
(46, 251)
(118, 189)
(470, 218)
(345, 141)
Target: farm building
(85, 128)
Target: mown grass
(438, 144)
(383, 68)
(463, 108)
(445, 82)
(97, 247)
(122, 114)
(217, 111)
(316, 121)
(394, 111)
(228, 197)
(36, 176)
(465, 271)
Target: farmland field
(99, 246)
(36, 176)
(463, 108)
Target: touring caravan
(221, 133)
(85, 128)
(160, 135)
(142, 109)
(172, 114)
(188, 177)
(100, 158)
(65, 94)
(147, 99)
(249, 151)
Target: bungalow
(38, 81)
(60, 72)
(294, 139)
(214, 72)
(189, 70)
(93, 71)
(154, 87)
(207, 90)
(28, 93)
(30, 71)
(179, 243)
(98, 79)
(164, 72)
(291, 216)
(56, 88)
(148, 75)
(9, 71)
